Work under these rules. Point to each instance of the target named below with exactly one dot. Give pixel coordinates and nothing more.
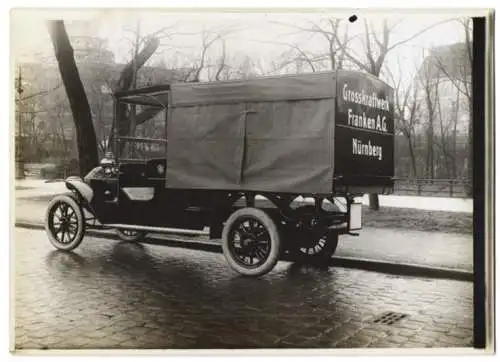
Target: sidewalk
(425, 203)
(429, 249)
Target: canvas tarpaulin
(284, 88)
(205, 147)
(289, 147)
(270, 134)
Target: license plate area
(355, 216)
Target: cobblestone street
(110, 294)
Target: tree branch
(418, 34)
(127, 74)
(44, 92)
(222, 62)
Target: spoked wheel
(312, 245)
(64, 223)
(251, 242)
(130, 235)
(314, 248)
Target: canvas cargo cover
(268, 134)
(291, 87)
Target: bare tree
(446, 138)
(429, 81)
(208, 60)
(377, 46)
(208, 39)
(333, 55)
(330, 34)
(221, 63)
(40, 93)
(407, 112)
(179, 63)
(58, 130)
(376, 49)
(97, 85)
(456, 66)
(143, 47)
(299, 58)
(31, 106)
(85, 133)
(224, 67)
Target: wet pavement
(110, 294)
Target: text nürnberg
(377, 123)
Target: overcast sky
(254, 34)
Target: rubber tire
(273, 231)
(80, 222)
(323, 255)
(133, 239)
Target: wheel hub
(250, 243)
(64, 222)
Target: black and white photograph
(241, 179)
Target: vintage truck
(271, 166)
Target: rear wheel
(309, 244)
(315, 249)
(64, 223)
(251, 242)
(130, 235)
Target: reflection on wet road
(110, 294)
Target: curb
(405, 269)
(190, 242)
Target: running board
(157, 229)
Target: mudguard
(76, 184)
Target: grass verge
(421, 220)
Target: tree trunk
(454, 140)
(82, 117)
(374, 202)
(126, 81)
(430, 134)
(412, 157)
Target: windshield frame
(155, 97)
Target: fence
(432, 187)
(49, 171)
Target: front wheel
(64, 223)
(130, 235)
(251, 242)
